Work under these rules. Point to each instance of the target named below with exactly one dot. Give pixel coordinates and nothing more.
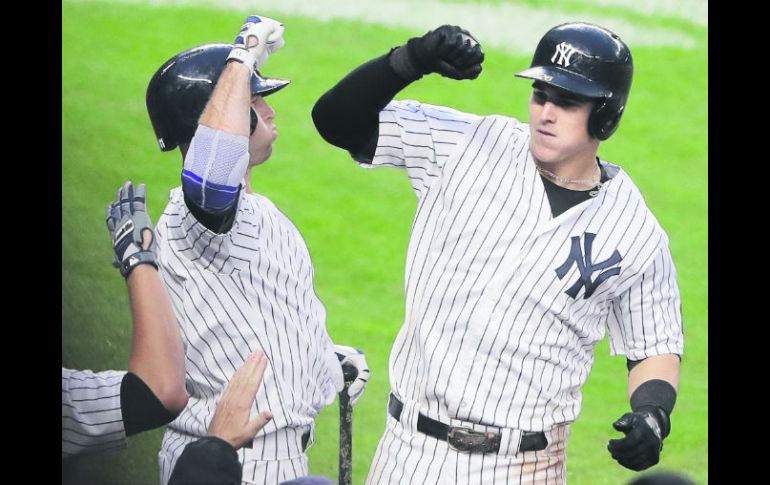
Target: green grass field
(356, 223)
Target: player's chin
(273, 137)
(261, 156)
(543, 152)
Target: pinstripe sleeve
(419, 138)
(91, 418)
(646, 319)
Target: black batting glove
(645, 430)
(448, 50)
(133, 238)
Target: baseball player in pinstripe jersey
(100, 409)
(525, 247)
(237, 270)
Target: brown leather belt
(465, 439)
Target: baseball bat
(346, 427)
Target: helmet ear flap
(254, 121)
(604, 119)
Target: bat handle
(346, 427)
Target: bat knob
(349, 372)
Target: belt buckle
(465, 440)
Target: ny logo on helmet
(564, 52)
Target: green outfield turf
(356, 223)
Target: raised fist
(448, 50)
(258, 38)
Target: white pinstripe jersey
(495, 332)
(91, 418)
(246, 290)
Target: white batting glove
(259, 38)
(355, 357)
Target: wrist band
(242, 55)
(142, 257)
(655, 392)
(401, 64)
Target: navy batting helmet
(181, 87)
(588, 60)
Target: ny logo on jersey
(564, 52)
(586, 267)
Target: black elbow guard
(141, 408)
(366, 153)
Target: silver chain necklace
(596, 184)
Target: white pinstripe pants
(273, 458)
(408, 456)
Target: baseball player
(237, 270)
(100, 409)
(525, 246)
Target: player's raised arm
(218, 156)
(228, 108)
(153, 391)
(347, 115)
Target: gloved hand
(448, 50)
(355, 357)
(133, 239)
(258, 38)
(645, 430)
